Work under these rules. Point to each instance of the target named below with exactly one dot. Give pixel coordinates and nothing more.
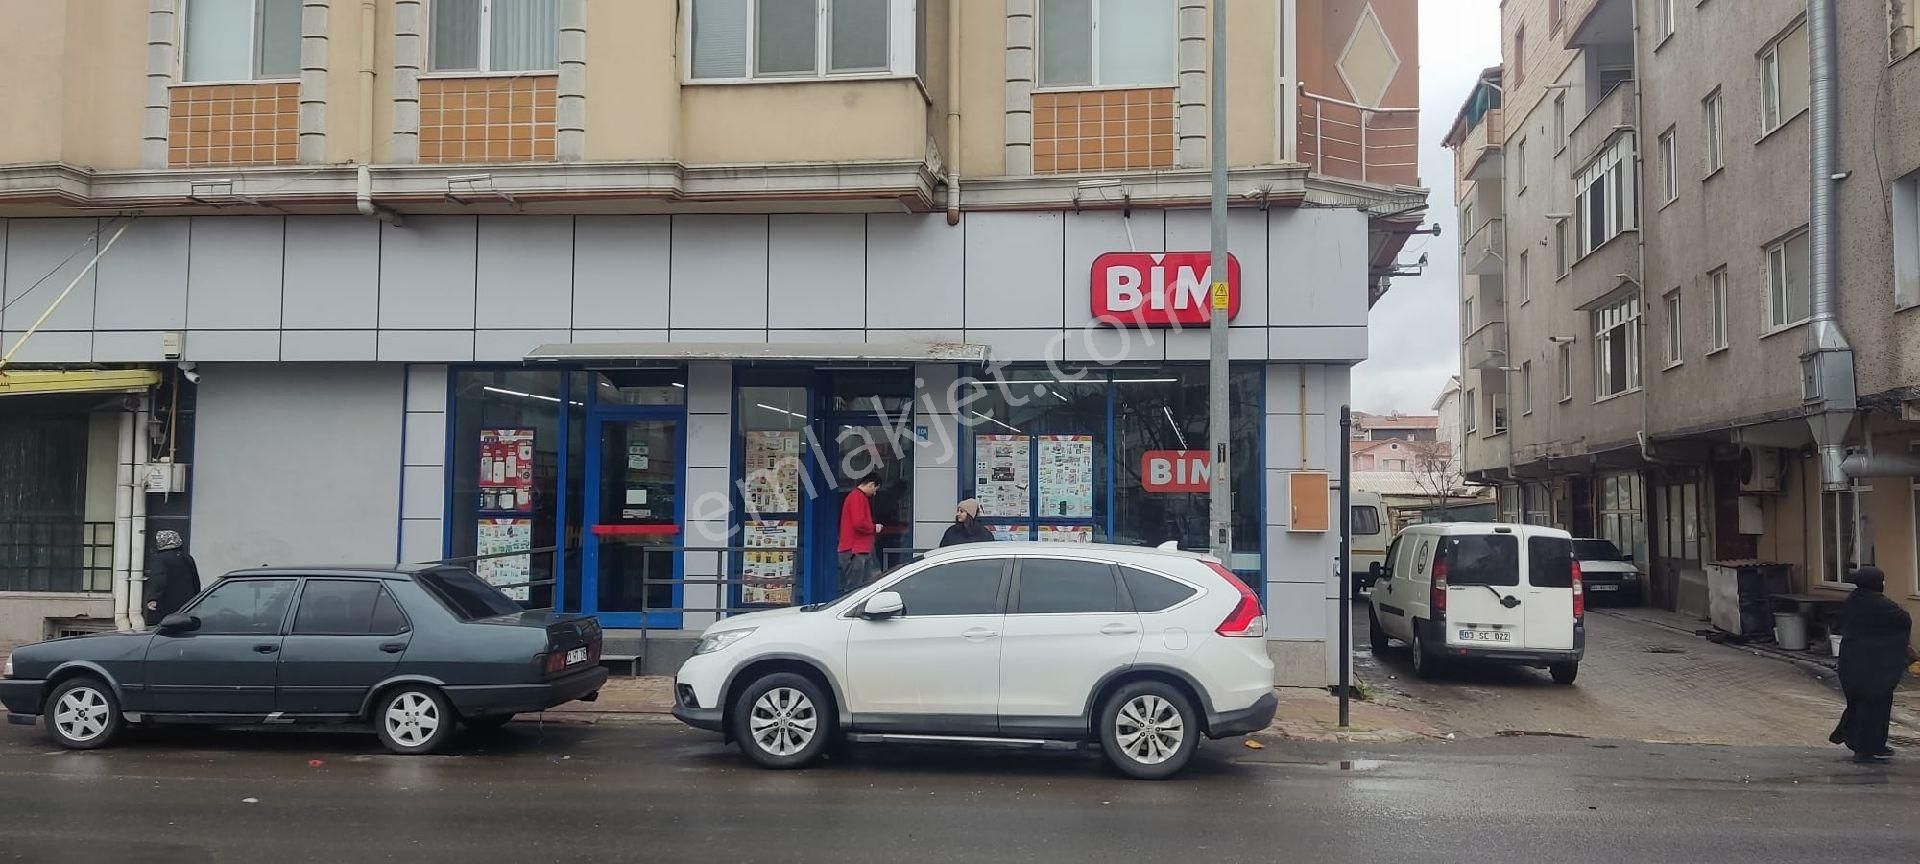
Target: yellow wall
(1250, 80)
(983, 89)
(31, 47)
(839, 120)
(633, 90)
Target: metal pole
(1220, 502)
(1340, 567)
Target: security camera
(186, 371)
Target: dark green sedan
(412, 653)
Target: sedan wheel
(414, 720)
(782, 721)
(82, 715)
(1149, 730)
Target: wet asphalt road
(656, 792)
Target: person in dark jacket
(966, 527)
(1874, 634)
(172, 578)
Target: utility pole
(1220, 501)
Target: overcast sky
(1412, 333)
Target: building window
(1520, 166)
(1498, 400)
(1846, 534)
(1677, 506)
(1674, 331)
(1560, 256)
(1526, 387)
(1906, 242)
(241, 40)
(1107, 43)
(1663, 19)
(1716, 139)
(1526, 279)
(1717, 301)
(1784, 84)
(1537, 501)
(1669, 166)
(745, 39)
(1560, 120)
(1902, 21)
(494, 36)
(1621, 503)
(1466, 218)
(1617, 348)
(1466, 318)
(1468, 411)
(1557, 13)
(1604, 205)
(1519, 65)
(1787, 296)
(1566, 370)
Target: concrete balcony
(1485, 252)
(1615, 115)
(1597, 22)
(1486, 346)
(1606, 273)
(1479, 158)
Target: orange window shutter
(1309, 501)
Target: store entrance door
(632, 559)
(866, 426)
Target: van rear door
(1549, 605)
(1485, 608)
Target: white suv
(1143, 651)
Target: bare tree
(1437, 471)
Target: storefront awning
(800, 352)
(29, 382)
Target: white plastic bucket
(1833, 640)
(1790, 630)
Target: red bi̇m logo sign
(1175, 471)
(1159, 289)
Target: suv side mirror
(885, 604)
(179, 623)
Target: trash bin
(1790, 630)
(1833, 641)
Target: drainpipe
(137, 517)
(123, 541)
(953, 112)
(1826, 369)
(363, 199)
(363, 194)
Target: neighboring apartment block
(1638, 280)
(613, 298)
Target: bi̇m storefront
(654, 418)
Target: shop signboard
(767, 568)
(1168, 471)
(1000, 466)
(1066, 476)
(1159, 289)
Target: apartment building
(1638, 279)
(615, 298)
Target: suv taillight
(1246, 619)
(1439, 600)
(1579, 593)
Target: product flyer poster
(768, 574)
(1008, 532)
(1066, 533)
(497, 536)
(506, 470)
(773, 471)
(1000, 474)
(1066, 476)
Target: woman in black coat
(1874, 634)
(966, 527)
(172, 578)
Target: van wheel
(1564, 673)
(83, 715)
(783, 721)
(1426, 664)
(1376, 635)
(1149, 730)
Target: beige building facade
(1640, 276)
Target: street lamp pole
(1220, 501)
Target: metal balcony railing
(1352, 141)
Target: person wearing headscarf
(172, 578)
(1874, 634)
(966, 527)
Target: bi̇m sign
(1159, 289)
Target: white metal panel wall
(1303, 589)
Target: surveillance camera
(192, 377)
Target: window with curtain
(493, 36)
(241, 40)
(747, 39)
(1785, 86)
(1107, 43)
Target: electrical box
(1310, 502)
(164, 477)
(170, 343)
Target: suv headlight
(715, 641)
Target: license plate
(1603, 587)
(577, 655)
(1485, 636)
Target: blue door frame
(597, 418)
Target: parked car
(1604, 569)
(1493, 593)
(410, 652)
(1141, 652)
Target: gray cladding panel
(234, 273)
(719, 272)
(35, 250)
(333, 273)
(1090, 235)
(525, 276)
(426, 273)
(816, 271)
(142, 282)
(1192, 231)
(1321, 258)
(915, 271)
(620, 271)
(1014, 270)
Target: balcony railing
(1351, 141)
(1486, 347)
(1485, 252)
(1480, 156)
(1614, 113)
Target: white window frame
(1861, 529)
(1472, 412)
(1717, 310)
(1675, 329)
(1670, 165)
(1526, 278)
(1714, 109)
(483, 57)
(1093, 58)
(1773, 110)
(1526, 387)
(1566, 371)
(253, 33)
(1497, 400)
(903, 23)
(1560, 121)
(1618, 321)
(1613, 170)
(1779, 283)
(1520, 166)
(1562, 253)
(1663, 20)
(1906, 242)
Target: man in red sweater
(857, 530)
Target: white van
(1495, 593)
(1366, 539)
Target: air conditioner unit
(1759, 469)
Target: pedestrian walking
(1874, 650)
(857, 532)
(172, 578)
(966, 527)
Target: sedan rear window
(468, 598)
(1482, 559)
